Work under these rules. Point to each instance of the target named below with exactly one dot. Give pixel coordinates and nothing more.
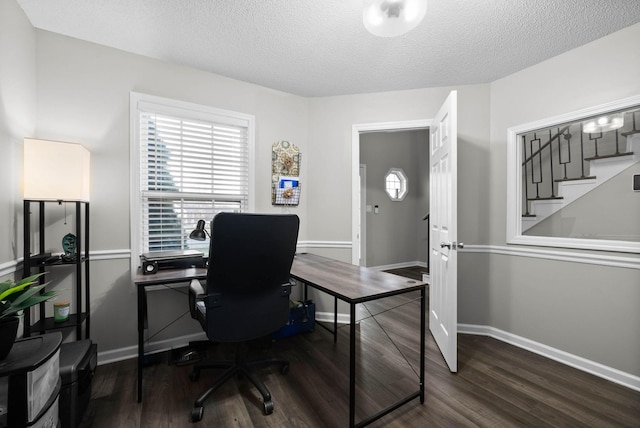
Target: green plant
(16, 296)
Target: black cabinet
(30, 383)
(38, 260)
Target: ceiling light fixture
(391, 18)
(604, 123)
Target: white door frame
(356, 130)
(363, 215)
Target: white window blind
(192, 166)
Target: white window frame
(514, 184)
(186, 110)
(404, 184)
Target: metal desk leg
(141, 313)
(335, 319)
(352, 367)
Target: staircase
(602, 156)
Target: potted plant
(15, 297)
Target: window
(570, 179)
(189, 162)
(395, 184)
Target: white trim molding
(551, 254)
(343, 319)
(356, 130)
(12, 266)
(514, 185)
(614, 375)
(110, 254)
(130, 352)
(303, 246)
(9, 267)
(399, 265)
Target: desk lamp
(199, 233)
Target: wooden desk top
(169, 276)
(351, 283)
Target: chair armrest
(196, 293)
(196, 287)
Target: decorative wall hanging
(285, 174)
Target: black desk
(355, 284)
(162, 277)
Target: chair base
(239, 368)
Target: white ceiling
(320, 47)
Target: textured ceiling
(320, 47)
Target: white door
(443, 260)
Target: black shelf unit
(37, 261)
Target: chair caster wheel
(196, 414)
(284, 369)
(267, 407)
(194, 375)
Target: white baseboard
(328, 317)
(129, 352)
(399, 265)
(614, 375)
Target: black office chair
(247, 292)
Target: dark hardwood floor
(413, 272)
(497, 385)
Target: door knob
(452, 245)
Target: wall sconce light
(390, 18)
(200, 232)
(55, 171)
(604, 123)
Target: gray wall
(396, 234)
(17, 120)
(82, 92)
(610, 211)
(87, 101)
(586, 310)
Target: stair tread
(550, 198)
(615, 155)
(591, 177)
(626, 134)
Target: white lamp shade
(55, 171)
(391, 18)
